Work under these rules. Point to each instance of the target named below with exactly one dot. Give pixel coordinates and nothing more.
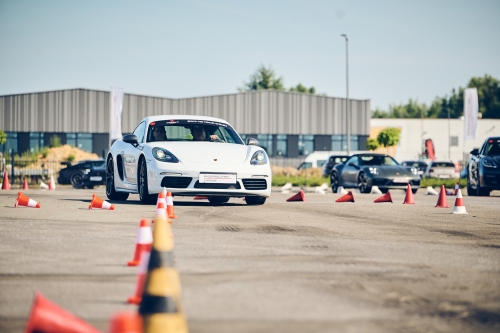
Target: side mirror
(351, 164)
(132, 139)
(252, 142)
(474, 152)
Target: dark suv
(73, 174)
(333, 160)
(483, 173)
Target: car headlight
(489, 163)
(259, 158)
(164, 155)
(373, 171)
(414, 171)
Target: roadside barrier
(46, 316)
(442, 200)
(300, 196)
(24, 201)
(349, 197)
(100, 203)
(385, 198)
(409, 200)
(459, 207)
(143, 241)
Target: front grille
(176, 182)
(254, 183)
(214, 186)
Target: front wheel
(76, 179)
(255, 200)
(218, 200)
(334, 181)
(142, 184)
(110, 183)
(363, 183)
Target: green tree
(488, 93)
(372, 144)
(3, 137)
(380, 114)
(55, 141)
(388, 137)
(263, 79)
(303, 89)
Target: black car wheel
(363, 183)
(142, 185)
(255, 200)
(218, 200)
(481, 191)
(110, 183)
(76, 179)
(334, 181)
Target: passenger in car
(199, 133)
(159, 134)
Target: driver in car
(199, 133)
(159, 133)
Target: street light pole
(449, 136)
(348, 115)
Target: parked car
(442, 169)
(73, 174)
(189, 156)
(484, 168)
(421, 166)
(332, 160)
(94, 177)
(364, 171)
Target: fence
(34, 170)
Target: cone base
(134, 300)
(459, 210)
(133, 263)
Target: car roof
(181, 117)
(374, 154)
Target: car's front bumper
(388, 183)
(490, 178)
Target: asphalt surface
(314, 266)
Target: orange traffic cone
(46, 316)
(457, 187)
(349, 197)
(141, 278)
(170, 206)
(52, 183)
(442, 201)
(100, 203)
(459, 207)
(297, 197)
(126, 322)
(23, 200)
(409, 200)
(200, 197)
(385, 198)
(142, 242)
(5, 182)
(25, 184)
(161, 198)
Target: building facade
(288, 125)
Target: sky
(397, 50)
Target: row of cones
(6, 183)
(459, 207)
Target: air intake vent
(254, 184)
(214, 186)
(176, 182)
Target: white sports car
(189, 156)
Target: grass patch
(447, 182)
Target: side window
(354, 160)
(139, 131)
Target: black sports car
(364, 171)
(73, 174)
(483, 173)
(95, 177)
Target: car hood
(203, 152)
(393, 171)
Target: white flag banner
(115, 112)
(471, 108)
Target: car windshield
(493, 148)
(443, 165)
(192, 130)
(376, 160)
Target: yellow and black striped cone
(161, 307)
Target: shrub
(55, 141)
(71, 158)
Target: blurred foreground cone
(385, 198)
(161, 211)
(5, 182)
(100, 203)
(161, 198)
(286, 187)
(25, 184)
(142, 242)
(375, 190)
(342, 190)
(431, 191)
(52, 183)
(442, 201)
(23, 200)
(409, 200)
(457, 187)
(297, 197)
(349, 197)
(44, 186)
(160, 306)
(170, 206)
(141, 278)
(200, 197)
(47, 317)
(125, 322)
(459, 207)
(319, 190)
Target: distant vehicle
(442, 169)
(94, 178)
(364, 171)
(484, 168)
(420, 165)
(318, 158)
(333, 160)
(73, 174)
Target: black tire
(76, 179)
(90, 187)
(384, 190)
(110, 183)
(481, 191)
(142, 184)
(218, 200)
(363, 183)
(470, 191)
(414, 190)
(334, 181)
(255, 200)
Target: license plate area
(217, 178)
(95, 178)
(400, 180)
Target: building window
(10, 144)
(453, 141)
(281, 145)
(354, 143)
(266, 142)
(306, 144)
(36, 141)
(339, 142)
(82, 141)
